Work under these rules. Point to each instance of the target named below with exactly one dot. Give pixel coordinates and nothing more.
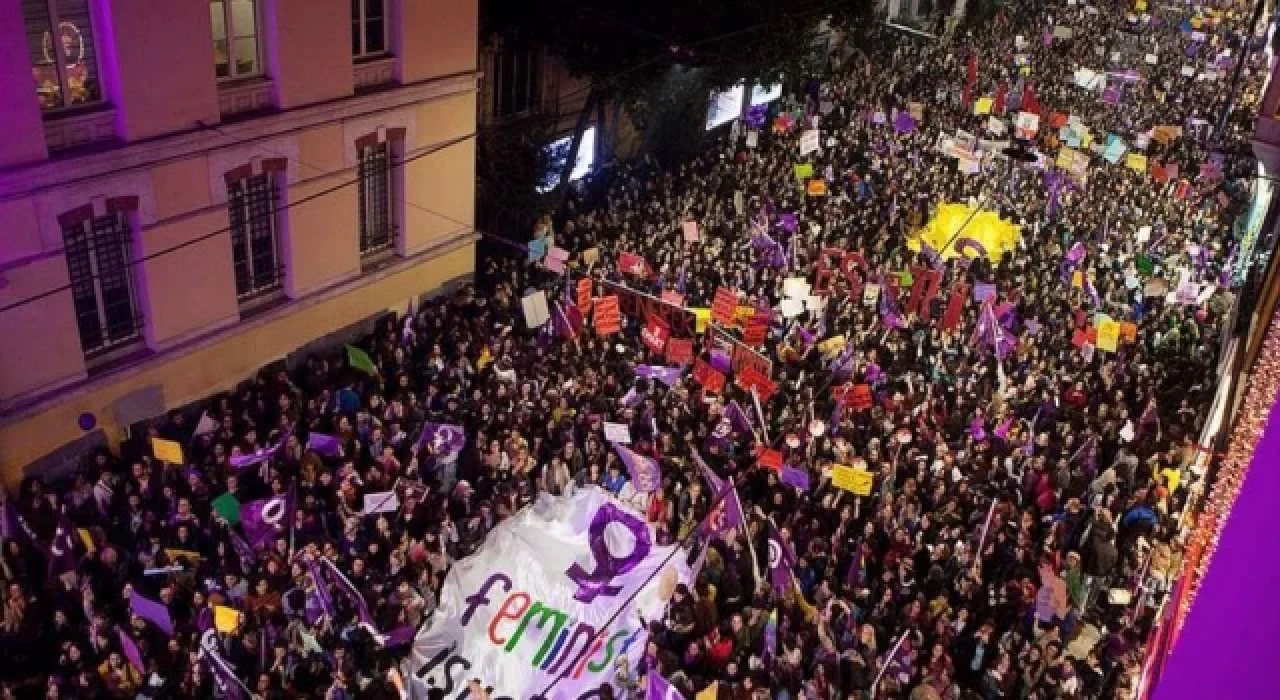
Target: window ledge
(374, 71)
(247, 95)
(71, 129)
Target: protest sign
(691, 231)
(672, 297)
(1108, 335)
(562, 577)
(679, 350)
(607, 318)
(617, 433)
(809, 142)
(584, 294)
(724, 306)
(535, 309)
(769, 459)
(655, 334)
(381, 502)
(804, 171)
(167, 451)
(855, 481)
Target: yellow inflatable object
(994, 235)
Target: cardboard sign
(167, 451)
(617, 433)
(711, 380)
(679, 350)
(607, 319)
(655, 334)
(584, 295)
(856, 481)
(691, 231)
(724, 306)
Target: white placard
(381, 502)
(810, 141)
(791, 307)
(1188, 71)
(870, 293)
(617, 432)
(1151, 59)
(753, 138)
(996, 125)
(797, 287)
(535, 309)
(1144, 234)
(691, 231)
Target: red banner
(769, 459)
(680, 350)
(584, 295)
(751, 378)
(724, 306)
(607, 319)
(655, 334)
(704, 374)
(757, 329)
(924, 287)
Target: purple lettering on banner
(481, 597)
(607, 566)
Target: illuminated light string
(1260, 397)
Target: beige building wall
(159, 146)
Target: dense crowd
(1021, 529)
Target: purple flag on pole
(247, 556)
(343, 584)
(667, 375)
(223, 675)
(151, 611)
(646, 473)
(265, 520)
(62, 548)
(903, 123)
(318, 602)
(738, 418)
(131, 652)
(446, 440)
(796, 477)
(720, 360)
(324, 445)
(657, 688)
(781, 559)
(727, 514)
(15, 527)
(713, 479)
(889, 314)
(258, 456)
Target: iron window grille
(377, 224)
(254, 208)
(100, 269)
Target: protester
(1027, 482)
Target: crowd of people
(1028, 484)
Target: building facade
(191, 190)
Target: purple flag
(657, 688)
(1076, 253)
(738, 418)
(318, 602)
(568, 319)
(788, 222)
(794, 476)
(62, 548)
(667, 375)
(15, 527)
(248, 558)
(727, 514)
(258, 456)
(343, 584)
(398, 637)
(646, 473)
(1002, 431)
(713, 479)
(151, 611)
(889, 314)
(131, 652)
(223, 675)
(976, 430)
(781, 559)
(324, 445)
(446, 440)
(265, 520)
(857, 572)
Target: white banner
(543, 600)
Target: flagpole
(751, 545)
(990, 513)
(885, 666)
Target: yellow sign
(855, 481)
(710, 692)
(1066, 157)
(1077, 279)
(167, 451)
(701, 317)
(87, 538)
(225, 619)
(1140, 6)
(983, 105)
(804, 171)
(1136, 162)
(1108, 334)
